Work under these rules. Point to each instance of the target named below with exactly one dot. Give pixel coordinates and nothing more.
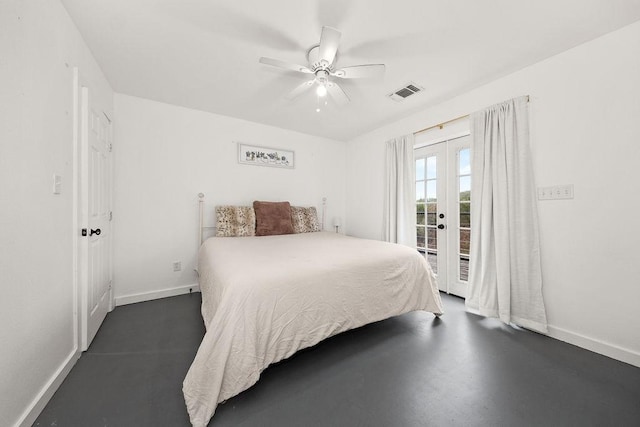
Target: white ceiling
(203, 54)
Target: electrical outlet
(177, 266)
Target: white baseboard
(30, 414)
(34, 409)
(607, 349)
(163, 293)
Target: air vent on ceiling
(406, 91)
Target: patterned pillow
(235, 221)
(305, 220)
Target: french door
(443, 207)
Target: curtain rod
(441, 125)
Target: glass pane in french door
(464, 211)
(426, 209)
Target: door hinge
(110, 147)
(110, 215)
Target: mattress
(264, 298)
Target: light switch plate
(557, 192)
(57, 184)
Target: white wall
(164, 155)
(585, 130)
(40, 46)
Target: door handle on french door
(441, 226)
(97, 232)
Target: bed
(264, 298)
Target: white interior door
(443, 206)
(95, 202)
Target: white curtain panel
(505, 273)
(399, 216)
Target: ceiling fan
(322, 58)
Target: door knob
(97, 232)
(441, 226)
(441, 216)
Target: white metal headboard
(324, 211)
(201, 226)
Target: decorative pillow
(273, 218)
(235, 221)
(304, 220)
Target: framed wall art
(265, 156)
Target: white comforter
(264, 298)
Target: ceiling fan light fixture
(322, 59)
(321, 90)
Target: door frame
(76, 224)
(80, 243)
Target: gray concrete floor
(412, 370)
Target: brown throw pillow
(273, 218)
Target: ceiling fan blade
(333, 12)
(409, 45)
(232, 23)
(337, 93)
(329, 41)
(300, 90)
(285, 65)
(360, 71)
